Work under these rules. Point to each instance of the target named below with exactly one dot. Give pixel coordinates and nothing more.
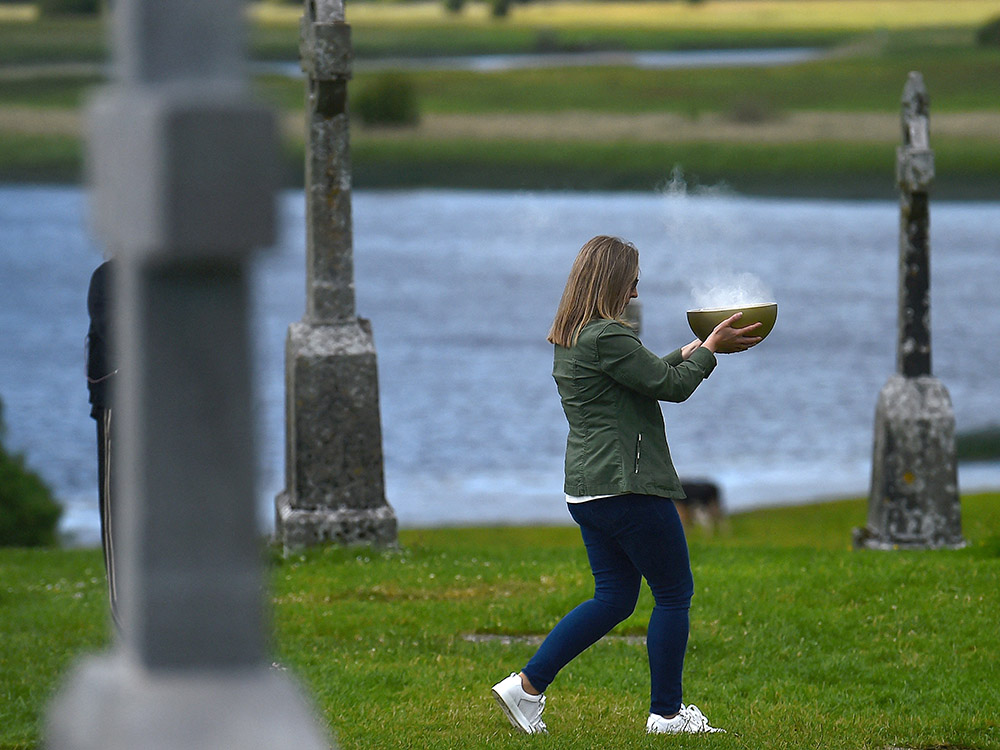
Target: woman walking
(619, 483)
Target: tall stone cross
(334, 479)
(914, 501)
(183, 170)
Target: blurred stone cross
(334, 479)
(183, 170)
(914, 501)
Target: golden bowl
(704, 321)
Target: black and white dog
(703, 504)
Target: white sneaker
(689, 721)
(522, 709)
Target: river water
(461, 288)
(648, 60)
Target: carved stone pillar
(914, 501)
(335, 487)
(183, 171)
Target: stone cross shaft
(914, 500)
(182, 166)
(334, 486)
(326, 57)
(914, 174)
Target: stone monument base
(864, 538)
(914, 501)
(297, 528)
(335, 490)
(114, 703)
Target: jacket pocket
(638, 451)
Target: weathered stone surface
(913, 346)
(183, 197)
(344, 526)
(325, 11)
(187, 488)
(164, 161)
(914, 499)
(335, 488)
(915, 159)
(115, 704)
(333, 423)
(325, 49)
(329, 226)
(914, 168)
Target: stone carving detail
(335, 487)
(914, 499)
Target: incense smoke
(704, 250)
(730, 290)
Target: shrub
(28, 512)
(69, 7)
(454, 6)
(979, 445)
(751, 110)
(547, 40)
(388, 99)
(988, 34)
(499, 8)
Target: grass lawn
(797, 641)
(425, 28)
(818, 169)
(954, 75)
(721, 15)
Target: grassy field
(871, 46)
(797, 641)
(425, 28)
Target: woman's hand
(726, 339)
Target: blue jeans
(628, 537)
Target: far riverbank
(551, 156)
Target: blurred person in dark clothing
(101, 372)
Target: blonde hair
(599, 286)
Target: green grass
(766, 16)
(797, 641)
(270, 41)
(52, 40)
(40, 158)
(84, 39)
(423, 29)
(966, 170)
(861, 84)
(979, 445)
(52, 609)
(867, 75)
(956, 76)
(48, 91)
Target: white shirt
(587, 498)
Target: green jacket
(610, 386)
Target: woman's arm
(688, 349)
(681, 355)
(626, 360)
